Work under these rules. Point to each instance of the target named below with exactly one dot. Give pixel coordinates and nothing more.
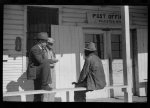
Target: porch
(117, 99)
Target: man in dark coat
(92, 75)
(39, 65)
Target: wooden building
(72, 27)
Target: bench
(127, 92)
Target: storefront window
(116, 46)
(99, 43)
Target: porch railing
(127, 92)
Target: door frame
(24, 42)
(97, 31)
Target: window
(116, 46)
(99, 43)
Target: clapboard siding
(10, 27)
(92, 8)
(13, 11)
(9, 42)
(13, 26)
(79, 20)
(11, 36)
(11, 16)
(11, 46)
(15, 22)
(14, 32)
(14, 7)
(76, 15)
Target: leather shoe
(47, 87)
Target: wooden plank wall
(13, 26)
(77, 14)
(67, 49)
(142, 44)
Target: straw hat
(90, 47)
(51, 40)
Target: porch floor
(119, 99)
(136, 99)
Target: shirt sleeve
(84, 71)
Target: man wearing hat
(51, 55)
(92, 75)
(38, 67)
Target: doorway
(109, 49)
(39, 19)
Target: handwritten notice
(102, 17)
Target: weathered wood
(9, 47)
(137, 7)
(10, 36)
(74, 15)
(41, 91)
(9, 42)
(137, 19)
(68, 23)
(91, 8)
(15, 22)
(67, 19)
(18, 32)
(11, 11)
(127, 70)
(67, 96)
(139, 23)
(16, 27)
(23, 98)
(73, 11)
(12, 16)
(13, 7)
(142, 15)
(29, 92)
(12, 53)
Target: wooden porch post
(127, 68)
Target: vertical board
(142, 53)
(67, 48)
(142, 44)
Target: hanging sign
(104, 17)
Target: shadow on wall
(21, 84)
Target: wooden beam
(127, 68)
(109, 55)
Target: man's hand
(55, 60)
(74, 83)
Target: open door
(68, 47)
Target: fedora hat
(50, 40)
(42, 36)
(90, 47)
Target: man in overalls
(51, 55)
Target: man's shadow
(24, 84)
(21, 84)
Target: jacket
(93, 73)
(36, 58)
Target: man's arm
(37, 53)
(84, 71)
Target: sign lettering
(101, 17)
